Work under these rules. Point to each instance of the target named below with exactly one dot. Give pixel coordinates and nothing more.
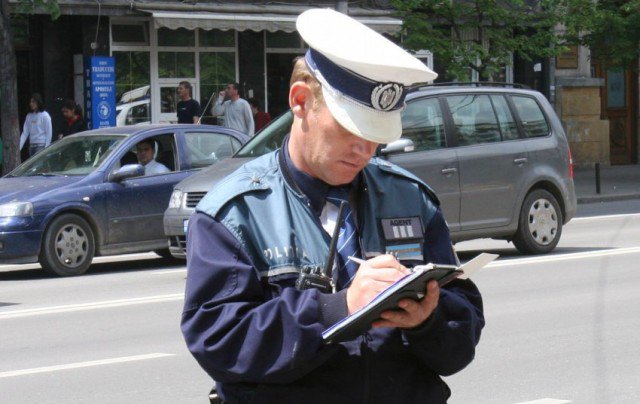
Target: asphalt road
(562, 327)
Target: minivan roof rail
(475, 84)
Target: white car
(133, 113)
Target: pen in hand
(362, 262)
(356, 260)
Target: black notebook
(412, 286)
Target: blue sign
(100, 91)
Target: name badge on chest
(402, 228)
(404, 237)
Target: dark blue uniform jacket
(260, 338)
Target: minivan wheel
(539, 224)
(68, 246)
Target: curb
(606, 198)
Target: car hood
(204, 180)
(29, 188)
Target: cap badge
(385, 96)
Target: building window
(217, 69)
(287, 40)
(176, 64)
(176, 37)
(216, 38)
(133, 33)
(132, 81)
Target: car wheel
(540, 223)
(68, 246)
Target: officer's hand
(371, 279)
(411, 313)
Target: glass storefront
(151, 63)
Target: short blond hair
(301, 73)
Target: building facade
(157, 44)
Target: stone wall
(579, 108)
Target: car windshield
(268, 139)
(76, 155)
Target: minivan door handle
(520, 161)
(449, 171)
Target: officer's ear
(300, 98)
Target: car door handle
(520, 161)
(449, 171)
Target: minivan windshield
(76, 155)
(268, 139)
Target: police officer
(245, 321)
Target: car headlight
(176, 199)
(16, 209)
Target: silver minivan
(497, 157)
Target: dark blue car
(87, 195)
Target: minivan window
(422, 122)
(269, 138)
(203, 149)
(508, 125)
(474, 119)
(533, 120)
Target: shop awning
(254, 22)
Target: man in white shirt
(145, 151)
(237, 111)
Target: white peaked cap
(363, 75)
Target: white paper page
(478, 262)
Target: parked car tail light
(570, 165)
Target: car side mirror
(399, 146)
(126, 171)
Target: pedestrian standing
(260, 117)
(37, 126)
(236, 110)
(72, 114)
(188, 109)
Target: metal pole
(597, 178)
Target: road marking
(545, 401)
(89, 306)
(77, 365)
(623, 215)
(169, 271)
(564, 257)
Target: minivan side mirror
(399, 146)
(126, 171)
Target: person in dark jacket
(260, 117)
(248, 321)
(72, 114)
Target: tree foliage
(482, 35)
(8, 77)
(610, 29)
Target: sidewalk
(616, 183)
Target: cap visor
(375, 126)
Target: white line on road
(545, 401)
(90, 306)
(169, 271)
(564, 257)
(77, 365)
(605, 217)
